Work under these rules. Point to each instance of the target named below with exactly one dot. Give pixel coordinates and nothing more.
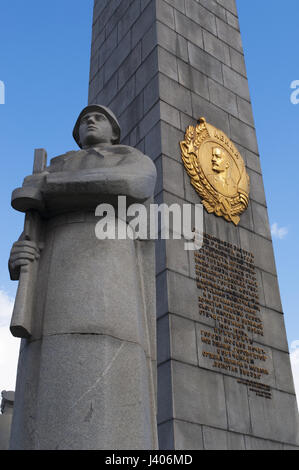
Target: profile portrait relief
(222, 178)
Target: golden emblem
(217, 171)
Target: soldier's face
(219, 161)
(95, 129)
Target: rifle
(21, 322)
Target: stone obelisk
(224, 375)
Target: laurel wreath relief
(228, 207)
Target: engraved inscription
(229, 304)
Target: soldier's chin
(92, 139)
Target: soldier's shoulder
(60, 159)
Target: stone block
(275, 419)
(283, 372)
(165, 13)
(235, 441)
(124, 97)
(147, 71)
(190, 193)
(187, 436)
(160, 256)
(223, 98)
(127, 20)
(198, 396)
(214, 7)
(162, 294)
(271, 291)
(177, 4)
(201, 15)
(232, 20)
(177, 256)
(143, 23)
(274, 330)
(175, 95)
(169, 114)
(173, 176)
(243, 134)
(166, 436)
(253, 443)
(167, 64)
(149, 41)
(116, 58)
(188, 29)
(165, 392)
(171, 137)
(238, 62)
(163, 339)
(246, 219)
(183, 340)
(216, 47)
(236, 82)
(129, 66)
(229, 35)
(245, 111)
(230, 5)
(107, 47)
(212, 113)
(191, 78)
(172, 41)
(238, 415)
(205, 63)
(108, 92)
(118, 12)
(153, 142)
(151, 93)
(132, 115)
(183, 296)
(214, 439)
(150, 119)
(257, 191)
(251, 159)
(260, 220)
(261, 248)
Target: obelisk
(224, 375)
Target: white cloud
(279, 232)
(294, 355)
(9, 346)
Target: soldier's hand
(22, 254)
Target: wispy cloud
(9, 346)
(279, 232)
(294, 356)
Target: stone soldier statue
(86, 374)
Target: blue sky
(44, 63)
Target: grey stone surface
(238, 414)
(7, 403)
(183, 340)
(253, 443)
(87, 374)
(187, 436)
(198, 395)
(185, 60)
(166, 437)
(275, 419)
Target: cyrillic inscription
(229, 298)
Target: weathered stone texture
(171, 62)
